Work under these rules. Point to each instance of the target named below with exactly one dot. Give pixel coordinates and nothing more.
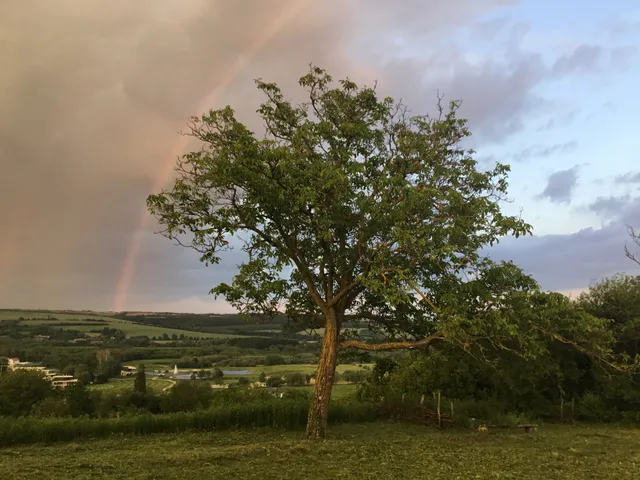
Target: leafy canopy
(348, 208)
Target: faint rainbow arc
(272, 29)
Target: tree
(262, 377)
(274, 381)
(4, 365)
(350, 210)
(295, 379)
(635, 238)
(217, 375)
(618, 299)
(21, 390)
(78, 400)
(140, 381)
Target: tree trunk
(319, 410)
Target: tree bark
(319, 410)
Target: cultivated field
(131, 329)
(365, 451)
(157, 385)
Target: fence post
(573, 411)
(562, 409)
(439, 416)
(451, 404)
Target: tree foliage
(347, 203)
(349, 209)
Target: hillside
(366, 451)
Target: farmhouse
(128, 370)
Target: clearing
(366, 451)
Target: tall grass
(275, 413)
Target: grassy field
(269, 370)
(131, 329)
(338, 391)
(366, 451)
(157, 385)
(306, 369)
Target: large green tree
(350, 209)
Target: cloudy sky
(93, 93)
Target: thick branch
(376, 347)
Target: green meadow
(361, 451)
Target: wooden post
(439, 417)
(403, 398)
(562, 409)
(451, 405)
(573, 410)
(422, 400)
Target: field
(306, 369)
(157, 385)
(269, 370)
(131, 329)
(365, 451)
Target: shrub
(186, 396)
(54, 406)
(295, 379)
(274, 381)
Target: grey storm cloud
(560, 185)
(92, 95)
(574, 261)
(609, 207)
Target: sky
(93, 96)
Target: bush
(54, 406)
(295, 379)
(274, 360)
(274, 381)
(186, 396)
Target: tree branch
(376, 347)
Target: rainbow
(264, 36)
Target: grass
(131, 329)
(338, 391)
(365, 451)
(157, 385)
(305, 369)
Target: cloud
(92, 95)
(629, 177)
(544, 151)
(583, 59)
(609, 207)
(560, 185)
(573, 261)
(621, 56)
